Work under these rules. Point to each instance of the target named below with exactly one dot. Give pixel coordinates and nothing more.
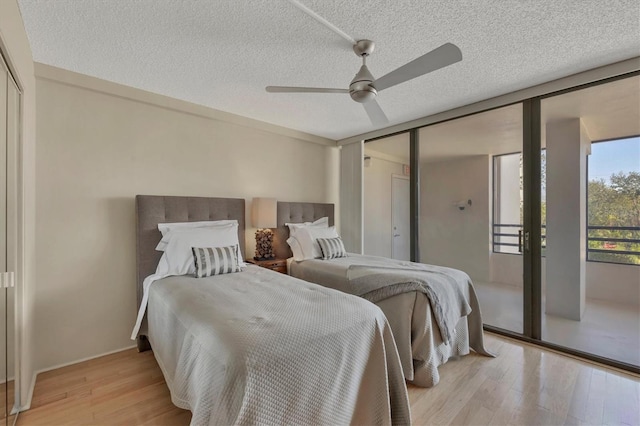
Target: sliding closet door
(471, 207)
(13, 139)
(591, 214)
(4, 394)
(386, 197)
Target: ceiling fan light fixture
(362, 91)
(361, 88)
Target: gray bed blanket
(450, 291)
(443, 287)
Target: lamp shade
(264, 212)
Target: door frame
(403, 177)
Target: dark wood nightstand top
(278, 265)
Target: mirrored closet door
(590, 173)
(471, 207)
(9, 136)
(386, 197)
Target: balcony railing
(614, 244)
(617, 244)
(510, 236)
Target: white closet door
(4, 77)
(13, 138)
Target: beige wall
(15, 46)
(96, 151)
(448, 236)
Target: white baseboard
(66, 364)
(27, 404)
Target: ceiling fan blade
(323, 21)
(288, 89)
(375, 113)
(441, 57)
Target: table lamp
(264, 216)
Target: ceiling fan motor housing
(361, 88)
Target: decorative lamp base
(264, 245)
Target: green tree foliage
(615, 204)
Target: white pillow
(165, 228)
(307, 237)
(323, 222)
(296, 249)
(178, 256)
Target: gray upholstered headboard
(154, 209)
(296, 213)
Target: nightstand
(278, 265)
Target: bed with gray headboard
(257, 346)
(297, 213)
(154, 209)
(420, 352)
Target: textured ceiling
(608, 111)
(223, 53)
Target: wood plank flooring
(525, 385)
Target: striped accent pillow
(215, 260)
(331, 248)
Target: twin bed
(421, 347)
(257, 346)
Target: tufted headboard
(154, 209)
(296, 213)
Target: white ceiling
(608, 111)
(222, 54)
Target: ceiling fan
(364, 87)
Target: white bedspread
(258, 347)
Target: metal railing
(511, 238)
(620, 248)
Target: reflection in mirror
(471, 206)
(386, 197)
(591, 213)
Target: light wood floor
(524, 385)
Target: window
(613, 202)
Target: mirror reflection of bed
(433, 311)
